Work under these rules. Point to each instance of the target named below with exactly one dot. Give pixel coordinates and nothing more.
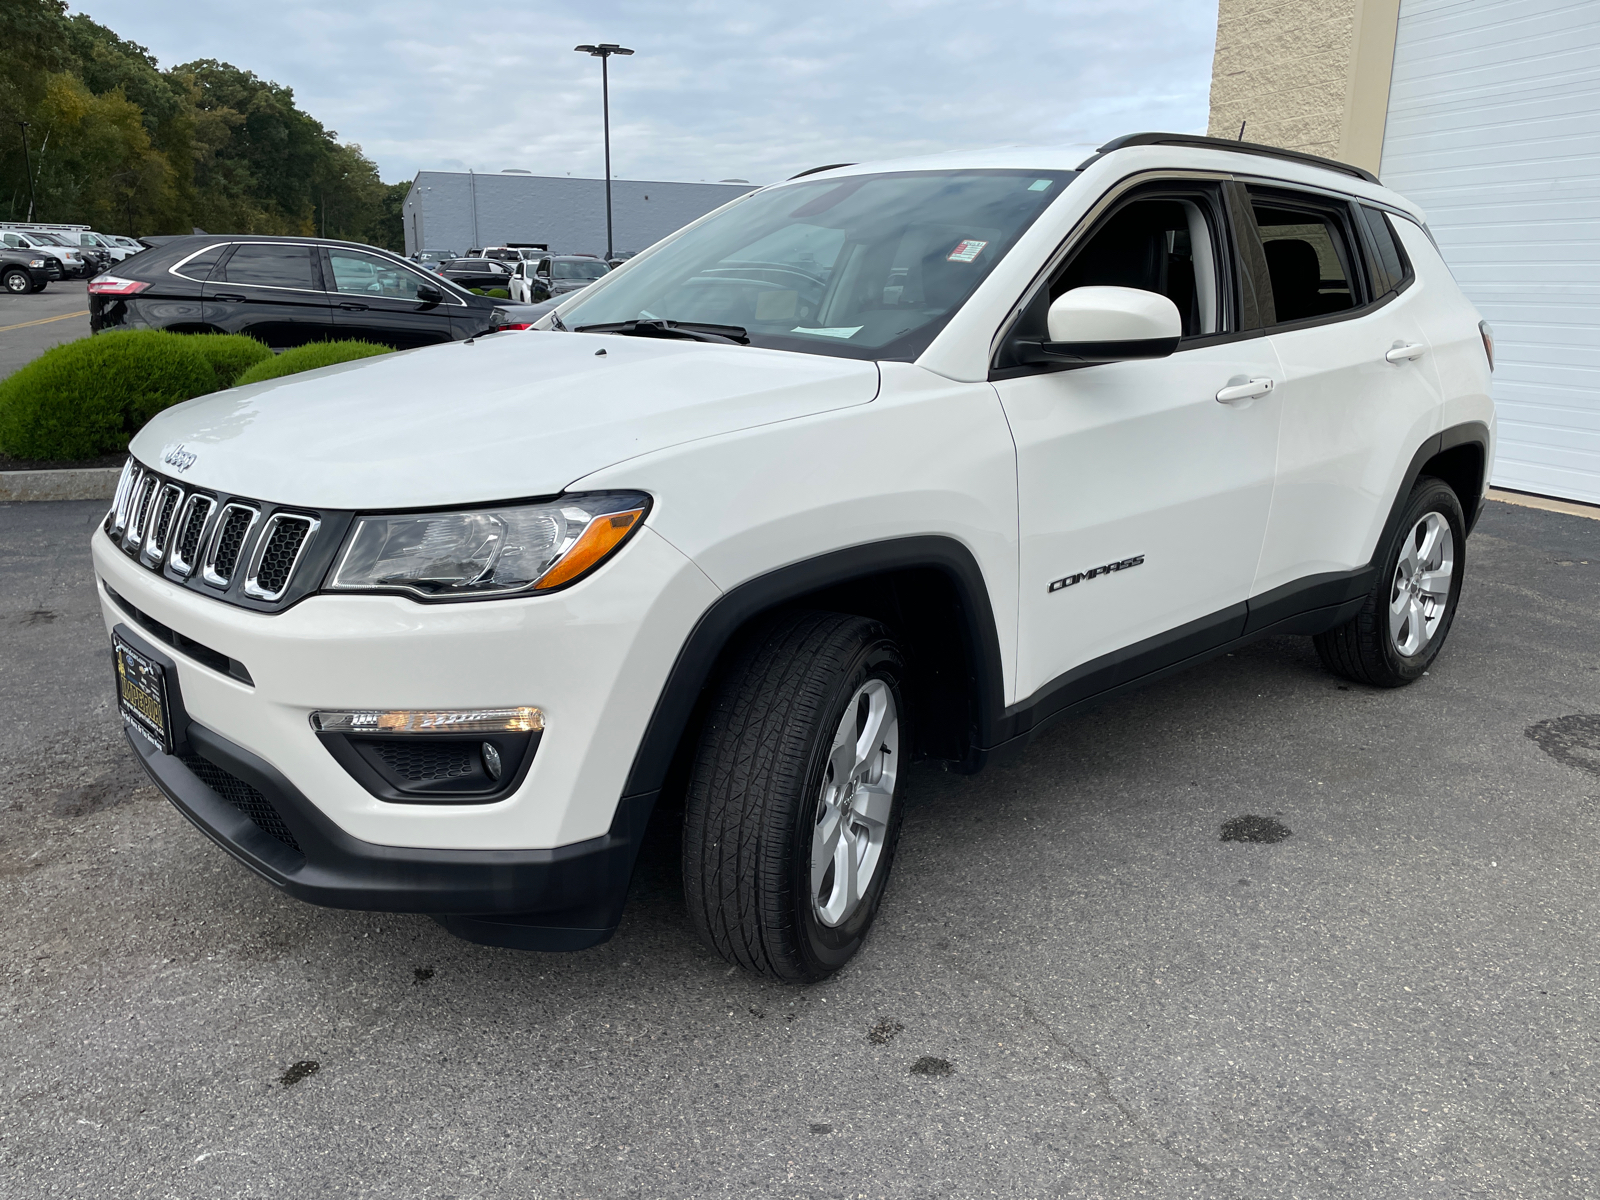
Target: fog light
(431, 720)
(491, 760)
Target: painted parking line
(44, 320)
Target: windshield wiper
(732, 335)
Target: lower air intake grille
(416, 763)
(277, 557)
(242, 796)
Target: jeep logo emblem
(178, 458)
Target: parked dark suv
(286, 292)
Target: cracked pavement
(1397, 999)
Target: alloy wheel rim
(17, 284)
(855, 804)
(1420, 592)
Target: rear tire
(1402, 626)
(792, 811)
(41, 285)
(17, 281)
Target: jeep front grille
(222, 556)
(238, 549)
(277, 554)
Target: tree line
(114, 142)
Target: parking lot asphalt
(31, 324)
(1075, 989)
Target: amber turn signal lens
(602, 536)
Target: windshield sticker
(838, 332)
(966, 251)
(1039, 185)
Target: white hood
(508, 416)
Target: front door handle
(349, 306)
(1241, 387)
(1401, 351)
(227, 298)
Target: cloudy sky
(717, 88)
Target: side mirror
(428, 294)
(1106, 324)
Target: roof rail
(1211, 143)
(814, 170)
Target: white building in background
(459, 210)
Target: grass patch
(309, 358)
(88, 397)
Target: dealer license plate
(142, 695)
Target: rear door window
(369, 275)
(267, 265)
(1308, 256)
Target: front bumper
(564, 898)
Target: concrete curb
(1573, 508)
(81, 483)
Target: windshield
(870, 266)
(582, 268)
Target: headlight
(485, 552)
(36, 262)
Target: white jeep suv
(877, 464)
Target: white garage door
(1494, 128)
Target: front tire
(1402, 626)
(792, 812)
(17, 281)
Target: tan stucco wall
(1309, 75)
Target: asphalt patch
(883, 1032)
(109, 791)
(1254, 829)
(821, 1127)
(421, 975)
(929, 1065)
(300, 1070)
(1572, 741)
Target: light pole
(603, 52)
(27, 162)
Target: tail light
(515, 325)
(1487, 333)
(115, 285)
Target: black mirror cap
(429, 294)
(1087, 353)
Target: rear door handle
(227, 298)
(1401, 351)
(1242, 388)
(352, 307)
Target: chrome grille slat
(189, 532)
(117, 518)
(272, 565)
(163, 512)
(233, 528)
(139, 510)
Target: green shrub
(498, 294)
(477, 291)
(230, 354)
(88, 397)
(309, 358)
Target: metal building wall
(454, 210)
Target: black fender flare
(697, 658)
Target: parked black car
(24, 271)
(288, 291)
